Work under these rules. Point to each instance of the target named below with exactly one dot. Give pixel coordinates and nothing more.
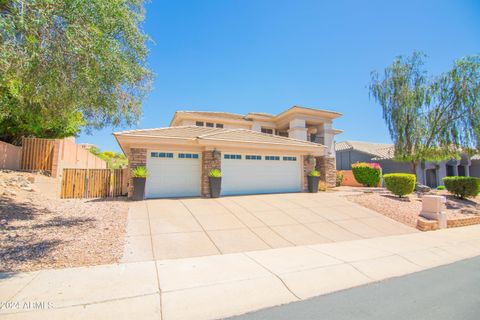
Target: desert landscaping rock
(407, 209)
(38, 230)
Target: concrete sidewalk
(218, 286)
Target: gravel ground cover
(407, 210)
(39, 230)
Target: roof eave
(320, 149)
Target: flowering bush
(367, 174)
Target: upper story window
(208, 124)
(282, 133)
(267, 130)
(313, 137)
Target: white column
(298, 129)
(442, 172)
(455, 170)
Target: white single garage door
(173, 174)
(254, 173)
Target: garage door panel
(173, 177)
(241, 176)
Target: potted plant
(139, 176)
(215, 180)
(313, 181)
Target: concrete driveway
(181, 228)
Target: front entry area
(256, 173)
(173, 174)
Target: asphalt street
(448, 292)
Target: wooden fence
(52, 155)
(37, 154)
(93, 183)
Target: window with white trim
(253, 157)
(199, 124)
(290, 158)
(267, 130)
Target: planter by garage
(215, 186)
(139, 188)
(313, 184)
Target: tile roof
(377, 150)
(244, 135)
(206, 133)
(227, 115)
(236, 116)
(183, 132)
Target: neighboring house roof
(206, 135)
(378, 151)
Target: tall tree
(430, 119)
(65, 64)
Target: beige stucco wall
(10, 156)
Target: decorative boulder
(422, 188)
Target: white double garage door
(178, 174)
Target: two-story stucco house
(257, 152)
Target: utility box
(433, 208)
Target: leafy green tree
(430, 119)
(68, 64)
(114, 160)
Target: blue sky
(268, 55)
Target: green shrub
(339, 179)
(139, 172)
(314, 173)
(441, 188)
(462, 187)
(400, 184)
(215, 173)
(367, 174)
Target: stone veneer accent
(208, 163)
(327, 167)
(308, 165)
(136, 158)
(430, 225)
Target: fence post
(87, 183)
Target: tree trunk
(414, 167)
